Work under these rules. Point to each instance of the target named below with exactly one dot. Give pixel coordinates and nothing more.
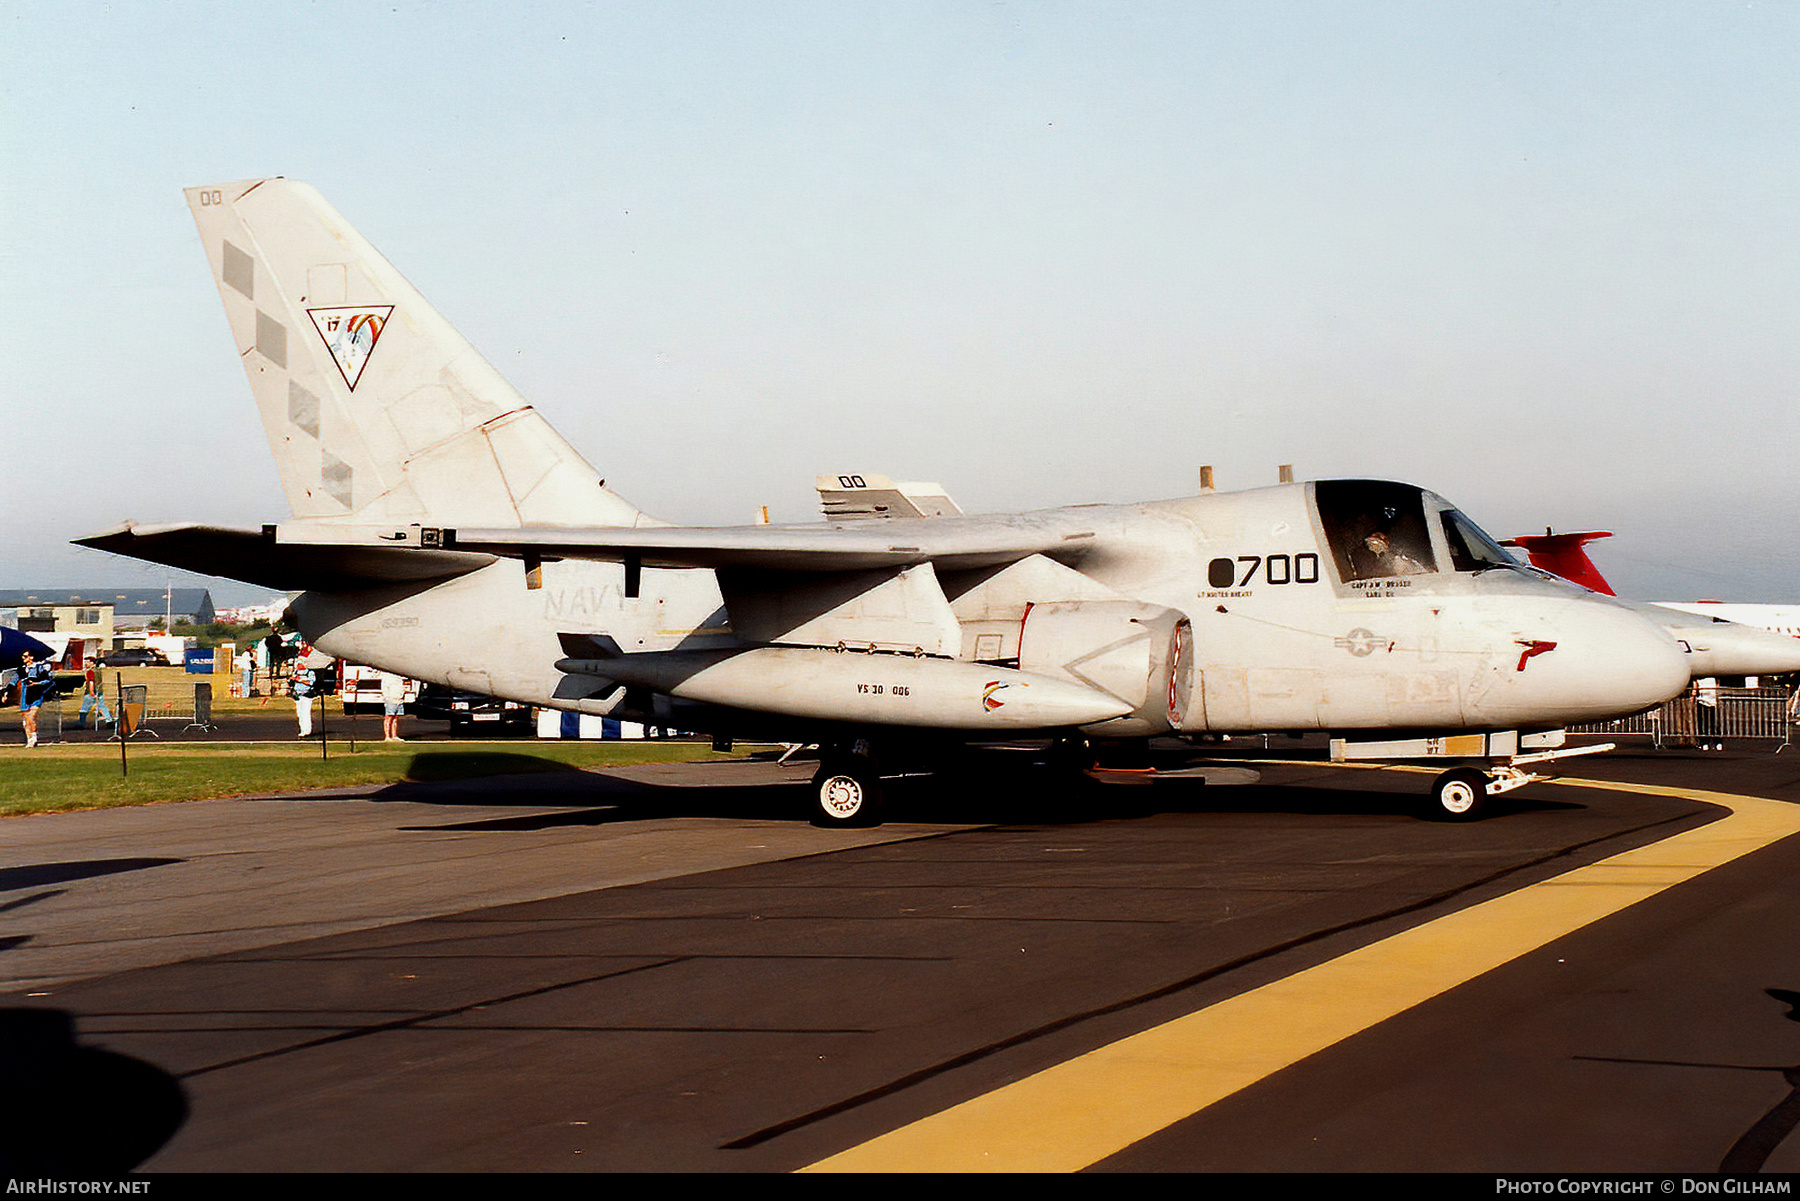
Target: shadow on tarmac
(78, 1112)
(444, 766)
(1005, 792)
(38, 875)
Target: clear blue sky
(1543, 258)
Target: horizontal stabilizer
(256, 558)
(854, 497)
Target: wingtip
(123, 530)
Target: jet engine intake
(1137, 652)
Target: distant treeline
(215, 632)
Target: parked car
(136, 656)
(467, 711)
(361, 691)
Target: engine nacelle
(1137, 652)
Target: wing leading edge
(306, 556)
(948, 544)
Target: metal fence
(1711, 716)
(139, 710)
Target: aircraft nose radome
(1636, 664)
(1586, 660)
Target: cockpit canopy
(1377, 529)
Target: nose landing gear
(1462, 793)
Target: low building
(84, 619)
(86, 609)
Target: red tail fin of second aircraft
(1561, 554)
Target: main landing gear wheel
(1459, 795)
(846, 792)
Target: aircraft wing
(949, 544)
(257, 557)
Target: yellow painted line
(1079, 1112)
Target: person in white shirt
(303, 683)
(393, 704)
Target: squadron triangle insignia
(350, 335)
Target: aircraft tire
(846, 793)
(1459, 795)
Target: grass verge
(52, 779)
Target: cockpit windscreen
(1470, 547)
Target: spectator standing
(37, 683)
(303, 683)
(393, 704)
(93, 696)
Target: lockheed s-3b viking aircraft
(443, 530)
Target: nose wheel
(1459, 795)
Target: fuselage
(1341, 605)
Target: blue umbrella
(13, 644)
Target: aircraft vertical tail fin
(1561, 555)
(377, 410)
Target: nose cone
(1636, 663)
(1581, 660)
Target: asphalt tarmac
(667, 969)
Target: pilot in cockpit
(1377, 557)
(1376, 529)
